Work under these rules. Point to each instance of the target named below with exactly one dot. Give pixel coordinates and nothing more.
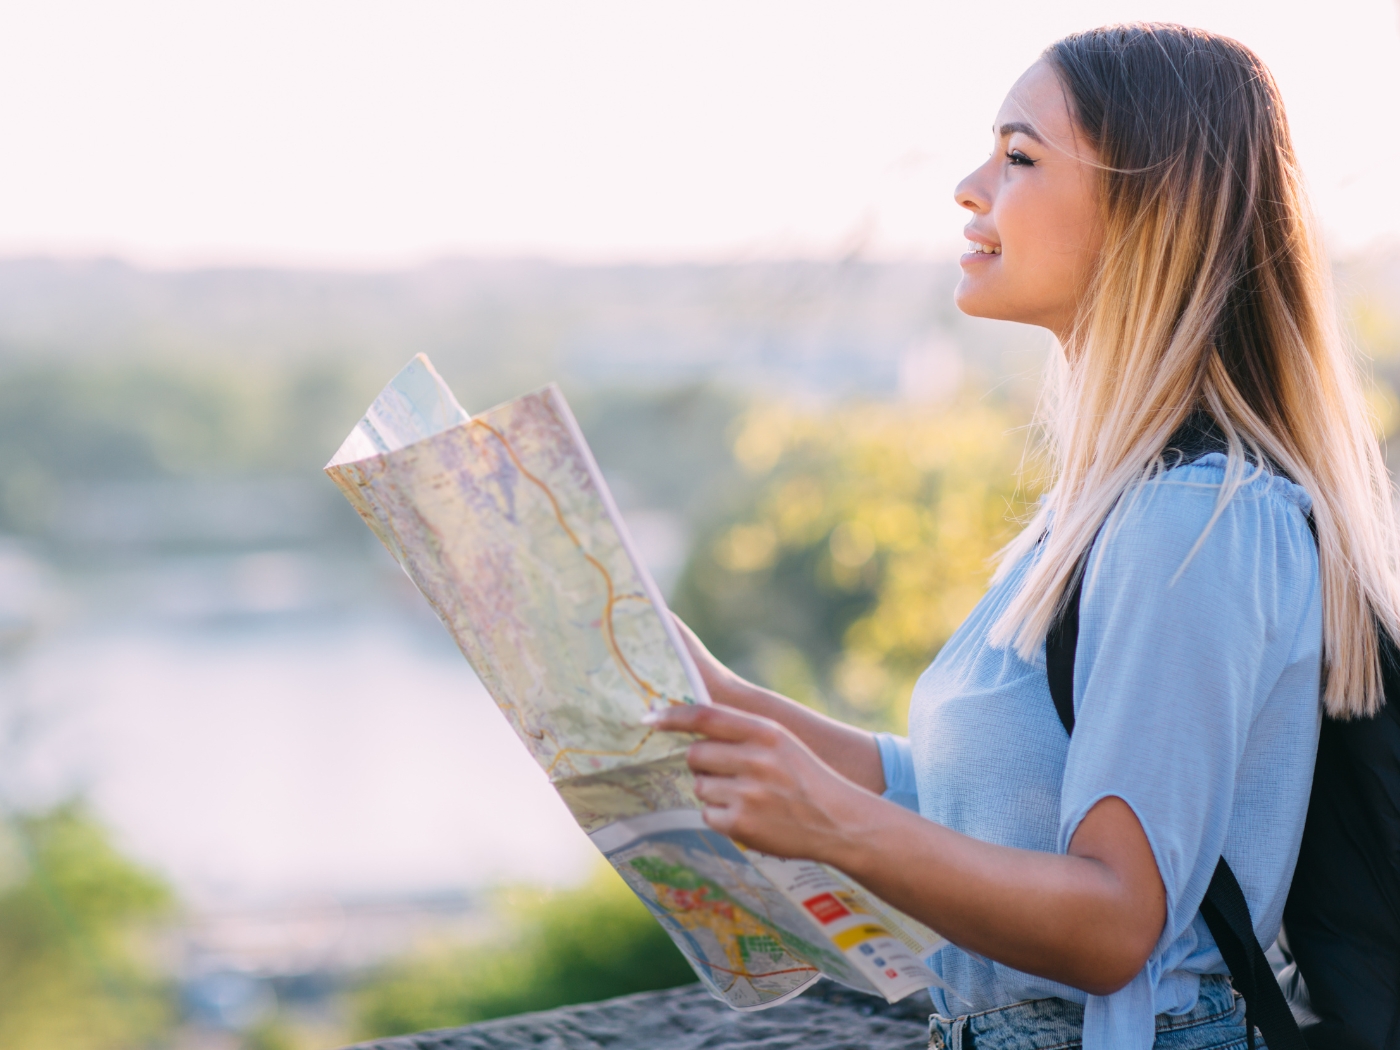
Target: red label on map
(826, 908)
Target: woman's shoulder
(1259, 483)
(1177, 517)
(1187, 498)
(1175, 561)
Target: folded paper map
(504, 523)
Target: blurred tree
(270, 1034)
(144, 420)
(664, 448)
(577, 946)
(71, 971)
(1375, 327)
(868, 541)
(62, 429)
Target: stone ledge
(826, 1017)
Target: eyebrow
(1024, 129)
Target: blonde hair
(1211, 294)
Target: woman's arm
(850, 751)
(1088, 919)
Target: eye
(1019, 159)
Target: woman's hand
(763, 786)
(1088, 918)
(724, 686)
(849, 751)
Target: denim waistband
(1217, 1020)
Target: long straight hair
(1210, 294)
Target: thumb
(714, 673)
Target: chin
(974, 301)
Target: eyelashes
(1019, 159)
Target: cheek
(1047, 241)
(1020, 219)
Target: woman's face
(1035, 230)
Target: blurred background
(251, 798)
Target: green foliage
(570, 947)
(64, 428)
(140, 420)
(1375, 328)
(868, 540)
(668, 445)
(70, 908)
(269, 1035)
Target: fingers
(721, 819)
(730, 760)
(727, 804)
(752, 776)
(719, 759)
(715, 722)
(717, 791)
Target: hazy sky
(349, 133)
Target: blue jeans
(1216, 1023)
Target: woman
(1142, 203)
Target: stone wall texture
(826, 1017)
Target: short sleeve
(1176, 656)
(1196, 694)
(898, 764)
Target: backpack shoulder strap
(1225, 910)
(1226, 913)
(1060, 645)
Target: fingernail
(651, 718)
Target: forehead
(1038, 99)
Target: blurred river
(352, 758)
(272, 725)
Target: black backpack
(1342, 918)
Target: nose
(971, 194)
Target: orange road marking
(745, 973)
(649, 692)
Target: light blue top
(1196, 702)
